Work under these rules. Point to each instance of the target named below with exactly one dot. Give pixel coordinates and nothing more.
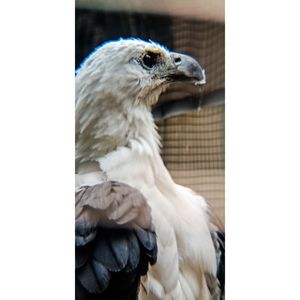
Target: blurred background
(190, 120)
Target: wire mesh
(193, 151)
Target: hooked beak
(185, 69)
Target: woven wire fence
(190, 120)
(194, 142)
(193, 151)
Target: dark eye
(150, 59)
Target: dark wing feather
(134, 254)
(115, 241)
(216, 282)
(221, 260)
(88, 279)
(112, 249)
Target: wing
(216, 283)
(115, 241)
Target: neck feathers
(102, 126)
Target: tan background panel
(205, 9)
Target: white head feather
(116, 86)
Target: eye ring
(150, 59)
(177, 60)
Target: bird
(138, 234)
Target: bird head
(115, 89)
(136, 70)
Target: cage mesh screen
(193, 151)
(204, 41)
(193, 142)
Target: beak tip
(188, 70)
(201, 82)
(202, 79)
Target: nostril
(177, 59)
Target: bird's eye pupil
(177, 59)
(149, 59)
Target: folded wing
(115, 241)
